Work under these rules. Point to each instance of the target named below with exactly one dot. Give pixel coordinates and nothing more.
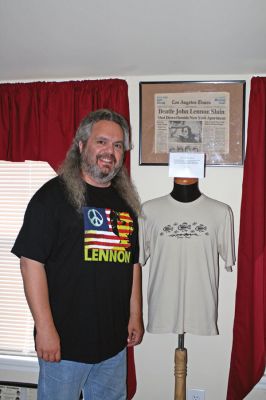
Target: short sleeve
(37, 234)
(226, 240)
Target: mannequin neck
(185, 190)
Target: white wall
(208, 357)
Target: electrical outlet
(196, 394)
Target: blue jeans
(65, 380)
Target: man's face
(102, 156)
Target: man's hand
(48, 344)
(135, 330)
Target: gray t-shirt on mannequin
(183, 242)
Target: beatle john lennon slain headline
(193, 122)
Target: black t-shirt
(89, 261)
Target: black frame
(147, 90)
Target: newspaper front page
(193, 122)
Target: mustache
(106, 155)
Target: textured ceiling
(64, 39)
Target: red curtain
(38, 122)
(248, 356)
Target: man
(79, 262)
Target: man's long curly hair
(71, 172)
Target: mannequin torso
(185, 190)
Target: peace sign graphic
(95, 217)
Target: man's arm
(36, 291)
(135, 325)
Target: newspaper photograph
(193, 122)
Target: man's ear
(80, 146)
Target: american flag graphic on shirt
(107, 229)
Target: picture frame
(192, 116)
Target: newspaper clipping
(193, 122)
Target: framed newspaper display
(203, 116)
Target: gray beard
(94, 171)
(99, 176)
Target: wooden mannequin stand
(185, 190)
(180, 369)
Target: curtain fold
(248, 357)
(38, 121)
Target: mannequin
(185, 190)
(179, 234)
